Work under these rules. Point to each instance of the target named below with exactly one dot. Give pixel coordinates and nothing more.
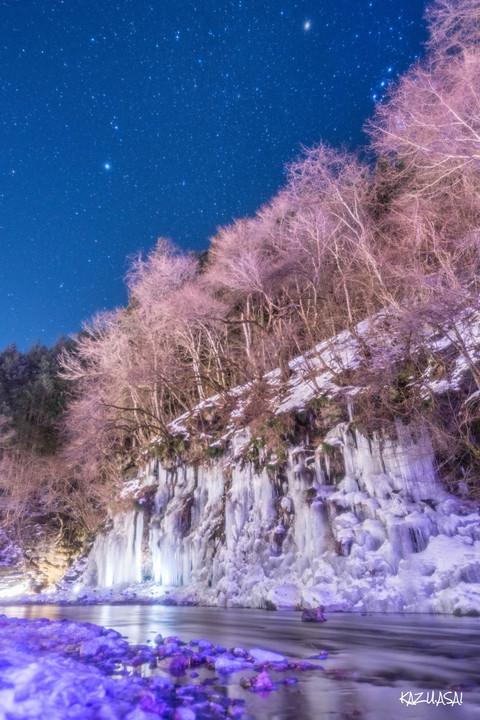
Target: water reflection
(372, 659)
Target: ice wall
(384, 536)
(116, 556)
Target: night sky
(122, 121)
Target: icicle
(116, 558)
(350, 409)
(386, 537)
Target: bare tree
(428, 134)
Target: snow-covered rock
(266, 656)
(59, 669)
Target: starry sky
(125, 120)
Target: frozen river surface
(373, 662)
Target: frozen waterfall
(116, 557)
(386, 536)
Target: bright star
(107, 166)
(307, 25)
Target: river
(373, 660)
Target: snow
(60, 669)
(319, 372)
(43, 674)
(266, 656)
(10, 552)
(226, 665)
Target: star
(180, 103)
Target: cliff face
(357, 524)
(34, 562)
(383, 535)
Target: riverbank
(372, 659)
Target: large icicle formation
(386, 537)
